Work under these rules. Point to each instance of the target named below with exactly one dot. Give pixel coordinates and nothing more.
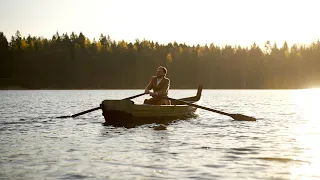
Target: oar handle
(134, 96)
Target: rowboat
(128, 114)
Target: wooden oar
(96, 108)
(239, 117)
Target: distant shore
(73, 62)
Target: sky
(232, 22)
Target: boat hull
(126, 113)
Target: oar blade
(241, 117)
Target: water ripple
(280, 145)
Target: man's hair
(163, 69)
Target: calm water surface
(282, 144)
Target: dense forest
(75, 62)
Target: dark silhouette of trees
(76, 62)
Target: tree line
(75, 62)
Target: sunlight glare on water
(307, 134)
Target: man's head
(161, 72)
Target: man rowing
(160, 85)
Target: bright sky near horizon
(233, 22)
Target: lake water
(282, 144)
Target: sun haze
(222, 22)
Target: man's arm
(149, 86)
